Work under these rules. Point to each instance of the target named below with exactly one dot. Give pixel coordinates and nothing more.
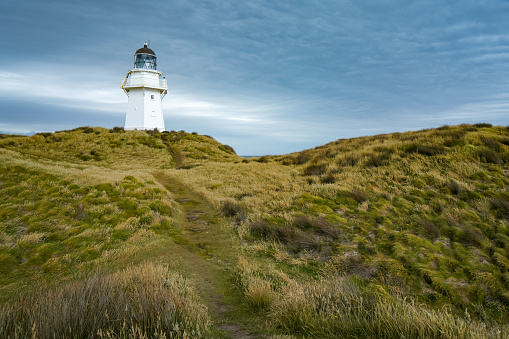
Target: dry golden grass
(146, 301)
(339, 308)
(120, 151)
(426, 211)
(257, 186)
(422, 213)
(57, 220)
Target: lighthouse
(145, 89)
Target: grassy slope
(69, 196)
(423, 214)
(75, 202)
(417, 214)
(425, 209)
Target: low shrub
(315, 168)
(152, 132)
(377, 160)
(492, 144)
(480, 125)
(316, 225)
(471, 236)
(117, 129)
(359, 196)
(502, 206)
(261, 229)
(227, 149)
(429, 229)
(303, 241)
(454, 187)
(231, 208)
(272, 232)
(423, 149)
(504, 140)
(302, 158)
(489, 156)
(349, 160)
(328, 178)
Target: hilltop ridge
(114, 148)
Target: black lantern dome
(145, 58)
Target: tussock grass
(340, 308)
(231, 208)
(258, 285)
(53, 226)
(96, 147)
(423, 210)
(146, 301)
(424, 213)
(193, 148)
(119, 149)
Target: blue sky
(266, 77)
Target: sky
(263, 76)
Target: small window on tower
(153, 113)
(152, 97)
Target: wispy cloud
(72, 88)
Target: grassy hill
(397, 235)
(118, 149)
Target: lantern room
(145, 58)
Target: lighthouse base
(144, 110)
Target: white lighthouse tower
(145, 90)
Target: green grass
(424, 212)
(396, 235)
(52, 226)
(119, 149)
(434, 201)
